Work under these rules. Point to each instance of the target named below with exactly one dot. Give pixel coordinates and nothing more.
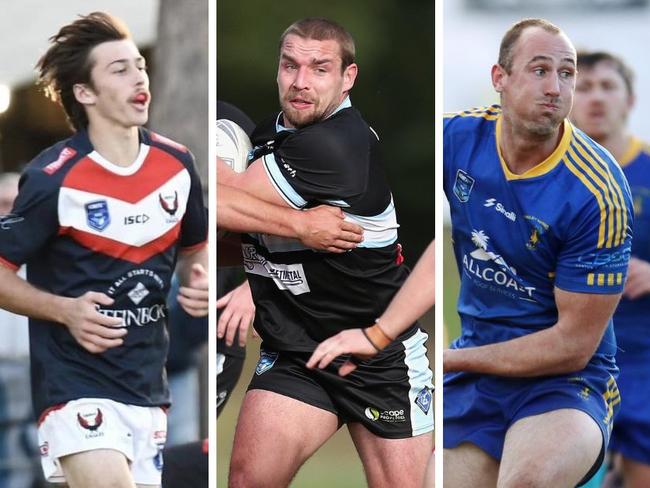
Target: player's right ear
(498, 74)
(83, 94)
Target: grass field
(336, 464)
(450, 288)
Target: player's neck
(119, 145)
(522, 150)
(616, 143)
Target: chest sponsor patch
(290, 277)
(97, 216)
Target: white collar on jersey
(344, 104)
(121, 170)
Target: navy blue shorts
(480, 408)
(631, 435)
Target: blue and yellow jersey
(565, 223)
(632, 319)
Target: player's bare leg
(430, 475)
(392, 462)
(99, 468)
(469, 465)
(275, 435)
(556, 449)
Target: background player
(603, 101)
(295, 292)
(98, 270)
(529, 394)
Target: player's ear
(498, 74)
(349, 75)
(83, 93)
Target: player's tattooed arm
(248, 202)
(192, 275)
(415, 297)
(565, 347)
(94, 331)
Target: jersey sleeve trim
(632, 152)
(281, 184)
(194, 247)
(8, 264)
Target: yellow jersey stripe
(587, 169)
(599, 199)
(621, 206)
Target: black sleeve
(321, 164)
(194, 229)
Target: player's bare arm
(247, 202)
(565, 347)
(237, 314)
(91, 329)
(415, 297)
(193, 277)
(638, 279)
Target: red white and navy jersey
(302, 296)
(81, 224)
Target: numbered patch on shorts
(266, 362)
(423, 400)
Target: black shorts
(186, 466)
(391, 394)
(228, 372)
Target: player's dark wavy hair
(321, 29)
(514, 33)
(587, 60)
(68, 62)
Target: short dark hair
(322, 29)
(588, 60)
(67, 62)
(514, 33)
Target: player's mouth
(140, 100)
(550, 106)
(300, 103)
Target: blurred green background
(394, 92)
(451, 283)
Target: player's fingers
(222, 324)
(347, 368)
(345, 245)
(109, 323)
(316, 356)
(335, 250)
(244, 325)
(98, 297)
(231, 329)
(90, 347)
(102, 342)
(193, 302)
(348, 236)
(194, 293)
(223, 301)
(355, 229)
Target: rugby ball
(233, 145)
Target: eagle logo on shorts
(266, 362)
(91, 424)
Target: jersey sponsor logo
(616, 259)
(423, 399)
(65, 155)
(91, 423)
(499, 279)
(266, 361)
(6, 221)
(168, 142)
(289, 277)
(140, 316)
(290, 170)
(539, 229)
(138, 293)
(390, 416)
(492, 202)
(463, 186)
(136, 219)
(138, 274)
(97, 216)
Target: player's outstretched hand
(351, 341)
(93, 330)
(323, 228)
(638, 279)
(194, 297)
(237, 314)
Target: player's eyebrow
(541, 57)
(314, 61)
(139, 59)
